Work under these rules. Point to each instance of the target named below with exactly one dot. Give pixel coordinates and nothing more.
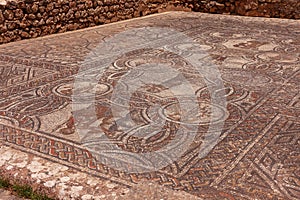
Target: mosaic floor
(220, 124)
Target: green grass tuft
(4, 183)
(24, 191)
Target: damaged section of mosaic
(53, 179)
(61, 182)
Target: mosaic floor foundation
(170, 106)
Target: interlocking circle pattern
(86, 87)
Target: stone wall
(21, 19)
(32, 18)
(258, 8)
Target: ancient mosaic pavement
(257, 154)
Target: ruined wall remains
(21, 19)
(257, 8)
